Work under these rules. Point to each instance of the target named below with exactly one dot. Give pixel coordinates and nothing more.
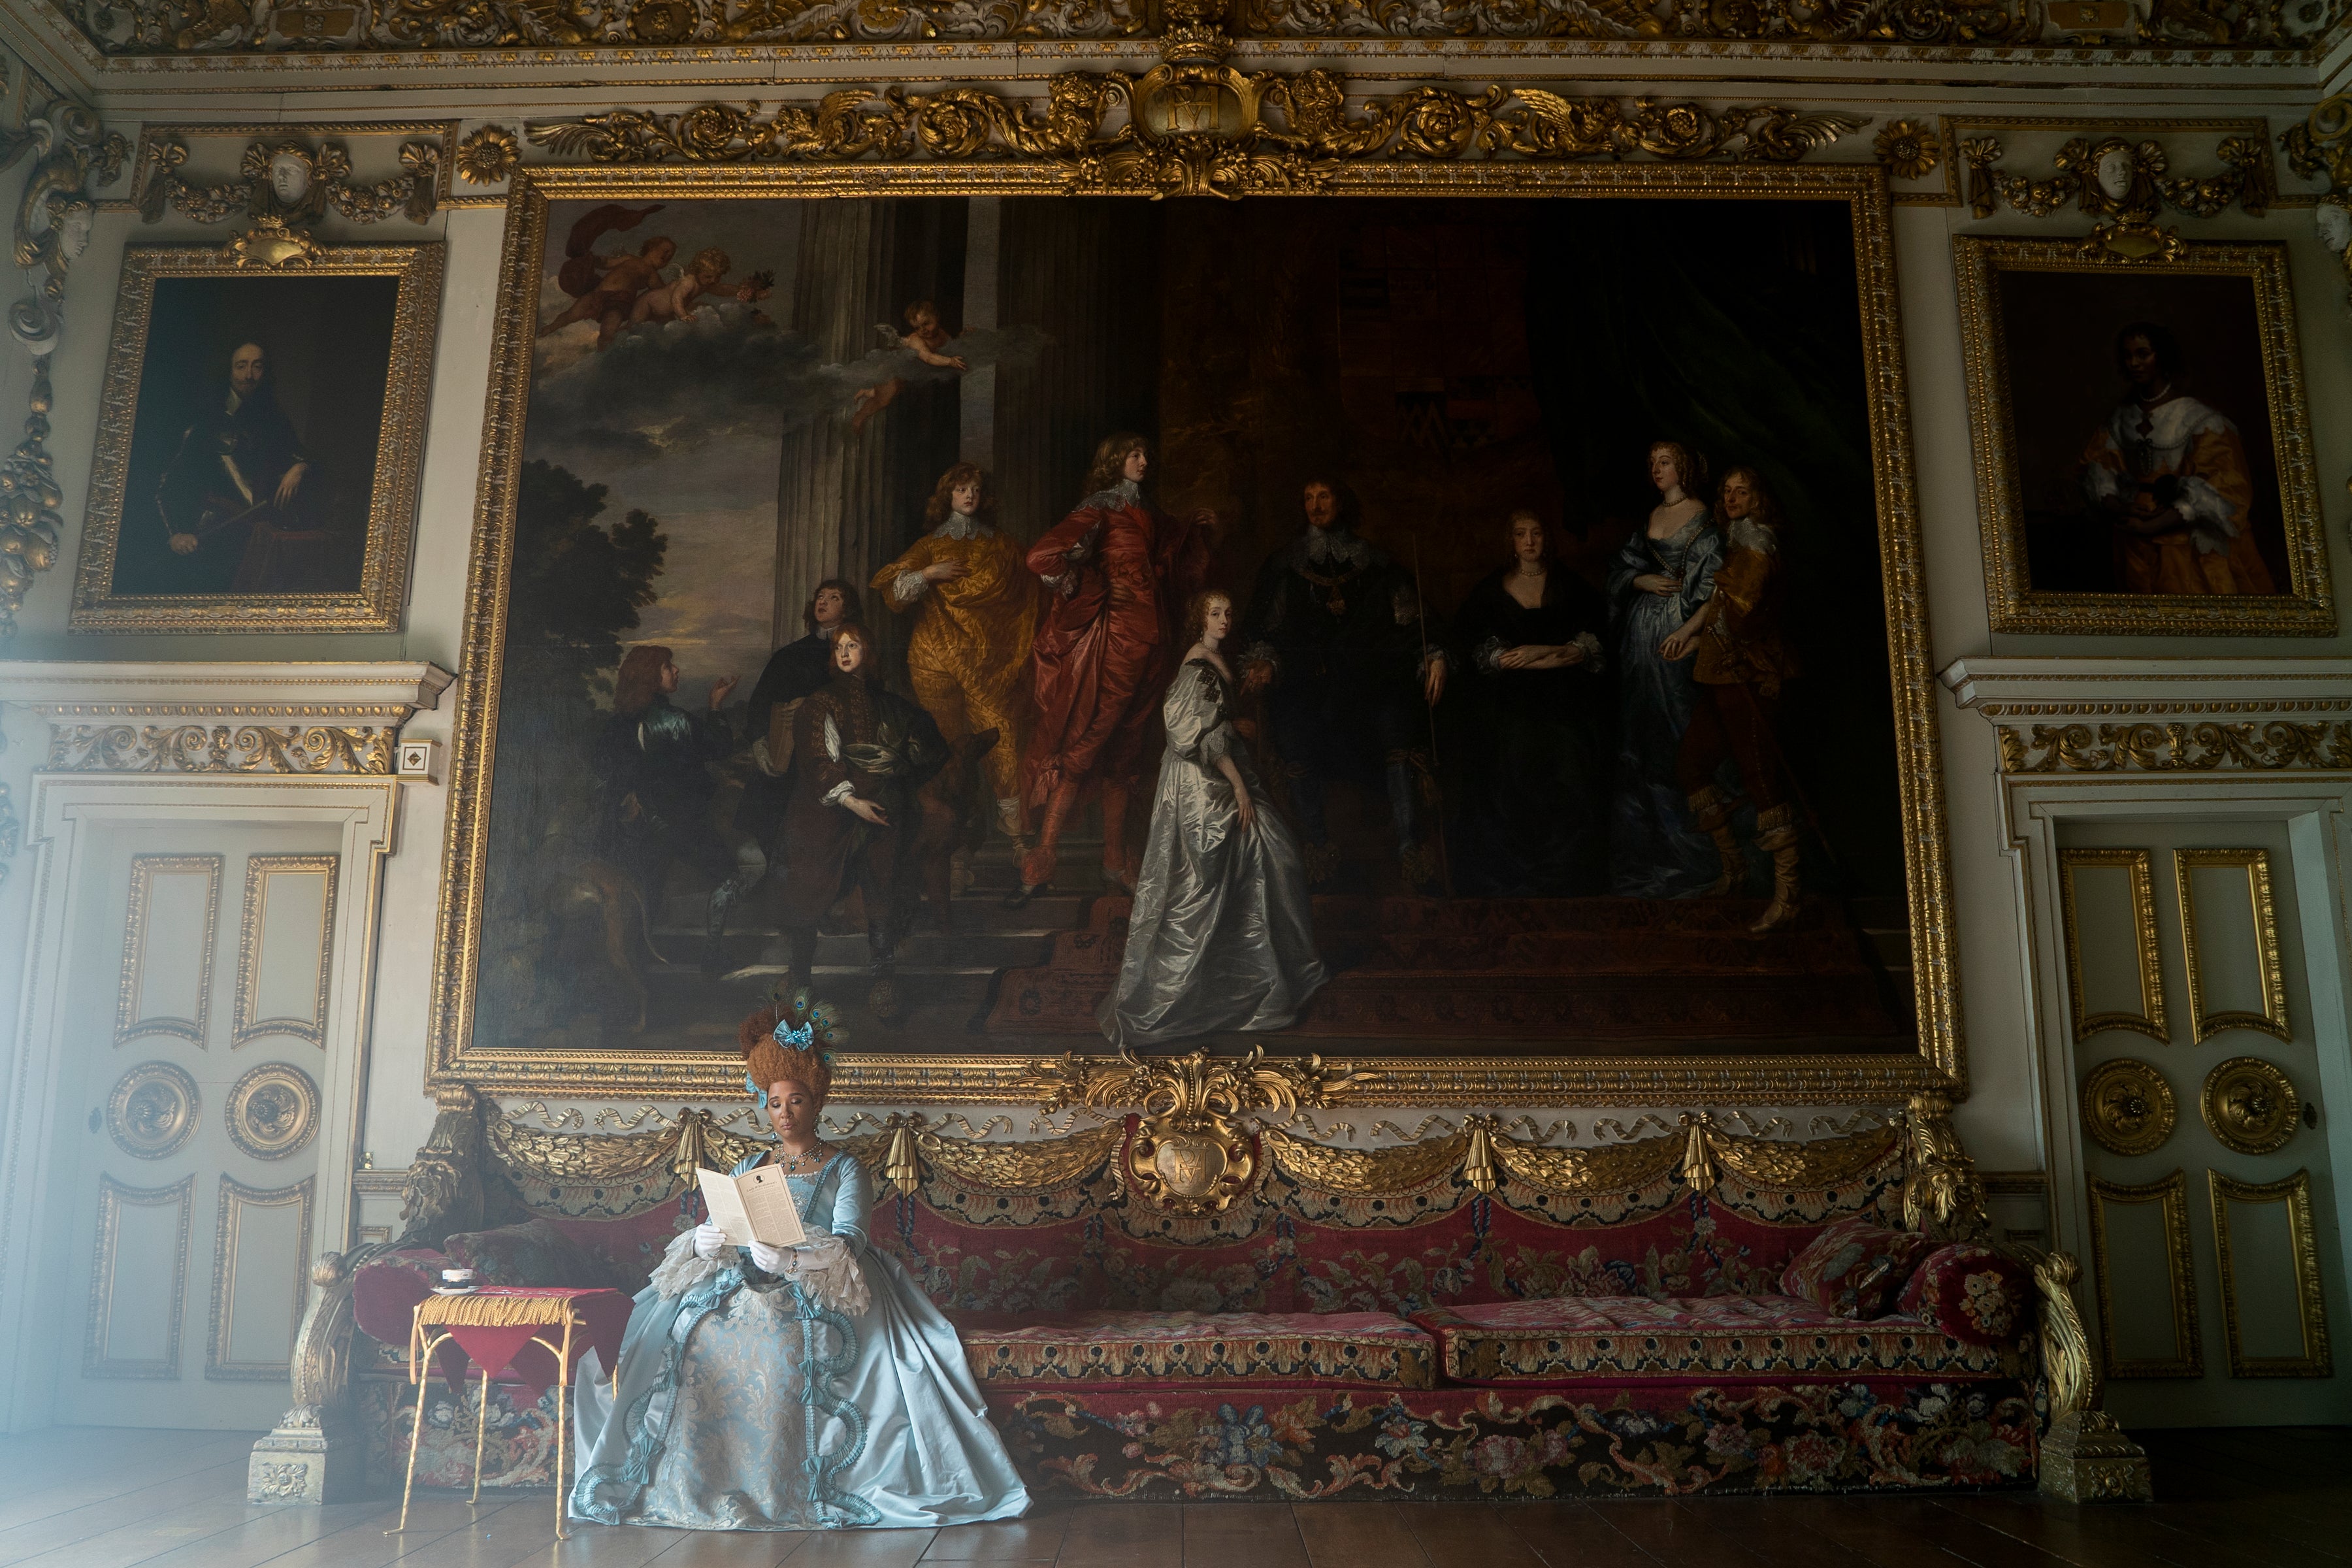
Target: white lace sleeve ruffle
(680, 1270)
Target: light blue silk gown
(743, 1404)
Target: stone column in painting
(1087, 272)
(849, 500)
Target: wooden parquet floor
(97, 1497)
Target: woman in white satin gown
(809, 1387)
(1222, 934)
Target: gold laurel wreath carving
(1364, 1173)
(1288, 132)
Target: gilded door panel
(2205, 1155)
(2114, 980)
(284, 937)
(197, 1185)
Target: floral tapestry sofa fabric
(1581, 1440)
(1105, 1347)
(1698, 1337)
(1972, 1293)
(1854, 1269)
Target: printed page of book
(755, 1206)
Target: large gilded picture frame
(2142, 442)
(947, 1068)
(260, 443)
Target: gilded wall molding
(221, 749)
(138, 29)
(274, 719)
(1196, 127)
(293, 176)
(2123, 716)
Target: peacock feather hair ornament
(792, 1043)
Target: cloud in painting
(671, 386)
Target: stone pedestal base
(309, 1459)
(2086, 1458)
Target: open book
(754, 1207)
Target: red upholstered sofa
(1468, 1315)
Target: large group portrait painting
(1355, 624)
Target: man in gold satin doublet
(975, 605)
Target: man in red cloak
(1119, 571)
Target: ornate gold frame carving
(294, 1135)
(128, 1025)
(2272, 1019)
(413, 194)
(2307, 609)
(2251, 1106)
(154, 1110)
(244, 748)
(952, 1073)
(2127, 1107)
(258, 870)
(376, 604)
(2173, 1194)
(2311, 1301)
(235, 1197)
(2150, 1018)
(113, 1198)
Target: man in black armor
(1335, 635)
(238, 500)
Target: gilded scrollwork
(2277, 745)
(1942, 1194)
(1194, 129)
(222, 749)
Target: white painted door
(2214, 1262)
(198, 995)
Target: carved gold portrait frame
(2306, 607)
(952, 1071)
(380, 597)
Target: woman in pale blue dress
(1657, 582)
(811, 1387)
(1223, 931)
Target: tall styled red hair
(771, 1061)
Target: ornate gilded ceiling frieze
(2279, 745)
(222, 749)
(1194, 129)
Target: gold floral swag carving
(477, 1165)
(1193, 128)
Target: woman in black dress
(1535, 808)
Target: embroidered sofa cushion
(1097, 1347)
(1973, 1294)
(1854, 1269)
(1695, 1336)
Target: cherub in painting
(606, 288)
(924, 338)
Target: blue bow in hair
(759, 1095)
(792, 1038)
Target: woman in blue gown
(811, 1387)
(1656, 583)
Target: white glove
(709, 1241)
(771, 1259)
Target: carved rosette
(273, 1110)
(2251, 1105)
(2127, 1107)
(153, 1111)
